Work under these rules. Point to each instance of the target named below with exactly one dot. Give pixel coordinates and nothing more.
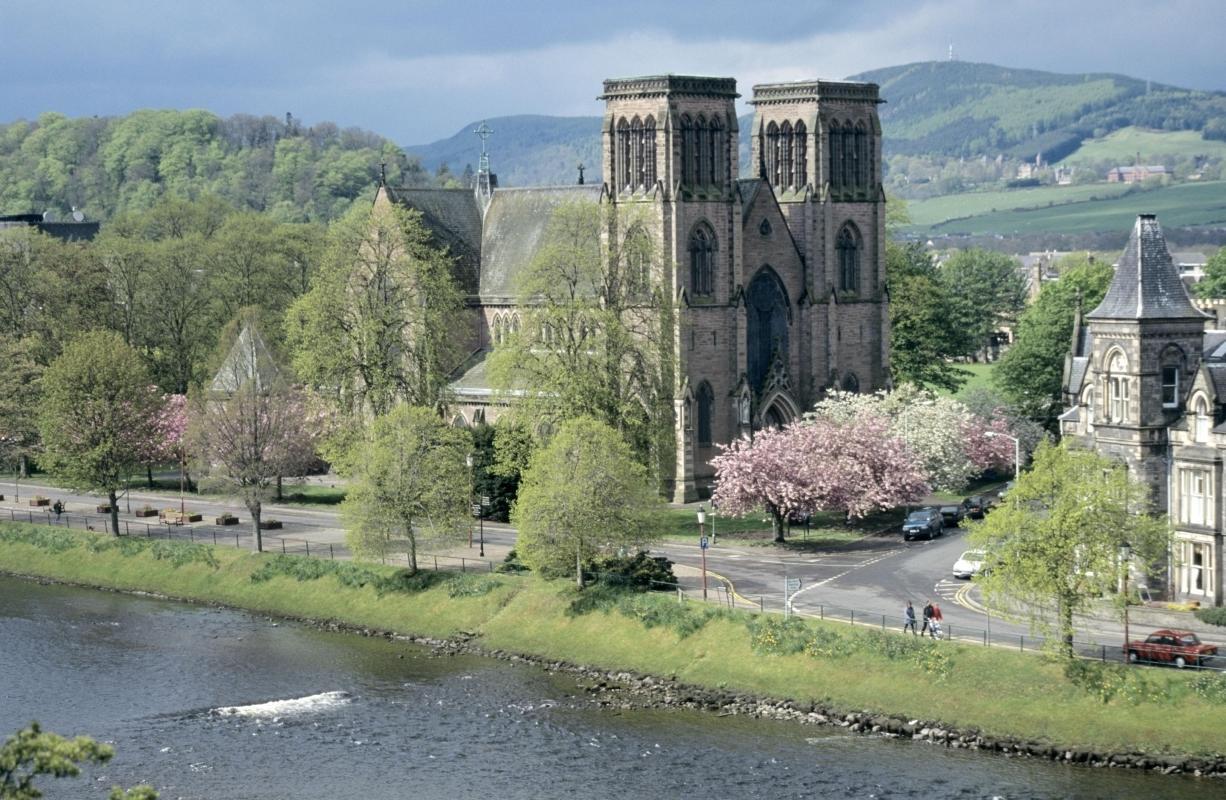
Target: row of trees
(862, 453)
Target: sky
(420, 70)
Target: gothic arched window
(716, 143)
(636, 262)
(637, 155)
(799, 153)
(702, 261)
(785, 154)
(649, 152)
(1200, 427)
(688, 151)
(772, 153)
(624, 149)
(861, 156)
(847, 252)
(702, 173)
(706, 405)
(847, 156)
(835, 146)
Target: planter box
(145, 512)
(192, 516)
(271, 525)
(104, 509)
(226, 520)
(40, 501)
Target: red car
(1171, 647)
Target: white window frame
(1196, 497)
(1117, 387)
(1200, 421)
(1174, 401)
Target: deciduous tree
(20, 396)
(1029, 373)
(851, 464)
(378, 327)
(33, 752)
(95, 417)
(923, 343)
(412, 483)
(984, 291)
(1213, 285)
(250, 423)
(584, 493)
(1055, 545)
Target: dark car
(926, 522)
(976, 506)
(952, 515)
(1171, 647)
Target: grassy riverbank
(1000, 693)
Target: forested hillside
(109, 165)
(957, 108)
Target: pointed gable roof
(249, 359)
(1146, 284)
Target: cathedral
(778, 278)
(1145, 384)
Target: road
(868, 581)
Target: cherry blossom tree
(168, 436)
(852, 464)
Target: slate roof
(515, 224)
(748, 187)
(1217, 374)
(249, 359)
(1215, 346)
(454, 218)
(1077, 374)
(1146, 284)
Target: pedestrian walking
(937, 619)
(908, 616)
(58, 508)
(927, 619)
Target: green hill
(104, 166)
(957, 108)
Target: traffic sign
(703, 543)
(476, 509)
(485, 499)
(791, 585)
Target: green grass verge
(936, 210)
(825, 530)
(1000, 693)
(1123, 145)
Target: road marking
(861, 565)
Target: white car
(968, 564)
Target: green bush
(1213, 616)
(1210, 686)
(53, 540)
(640, 572)
(653, 611)
(466, 585)
(1110, 681)
(776, 636)
(348, 574)
(511, 565)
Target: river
(212, 703)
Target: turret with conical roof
(1146, 283)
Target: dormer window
(1200, 427)
(1170, 387)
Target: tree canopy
(411, 483)
(584, 494)
(923, 339)
(1213, 285)
(33, 752)
(1055, 545)
(1029, 373)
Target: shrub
(52, 540)
(347, 573)
(776, 636)
(1210, 686)
(1109, 681)
(465, 585)
(640, 572)
(1214, 616)
(511, 565)
(655, 611)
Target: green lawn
(1123, 145)
(999, 692)
(825, 530)
(936, 210)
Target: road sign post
(790, 587)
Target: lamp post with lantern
(702, 546)
(1126, 557)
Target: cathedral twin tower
(782, 274)
(778, 278)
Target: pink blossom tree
(989, 452)
(854, 465)
(168, 436)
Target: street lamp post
(468, 459)
(702, 546)
(1126, 555)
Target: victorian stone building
(1145, 384)
(778, 278)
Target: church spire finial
(581, 168)
(484, 131)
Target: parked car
(968, 564)
(952, 515)
(926, 522)
(1004, 491)
(1171, 647)
(977, 506)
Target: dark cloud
(418, 70)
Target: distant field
(936, 210)
(1124, 144)
(1181, 205)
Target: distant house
(1135, 174)
(76, 230)
(1191, 267)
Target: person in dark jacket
(927, 620)
(908, 618)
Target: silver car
(968, 564)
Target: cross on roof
(484, 131)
